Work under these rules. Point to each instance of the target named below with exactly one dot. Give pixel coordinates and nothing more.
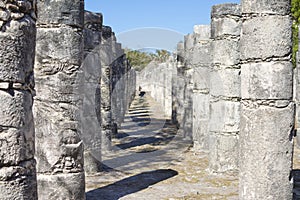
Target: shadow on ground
(130, 185)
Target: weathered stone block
(201, 119)
(106, 53)
(92, 39)
(189, 41)
(261, 35)
(267, 80)
(225, 83)
(297, 83)
(202, 32)
(266, 151)
(69, 12)
(58, 131)
(17, 50)
(61, 87)
(226, 52)
(280, 7)
(223, 152)
(201, 79)
(18, 182)
(201, 55)
(57, 44)
(60, 186)
(222, 10)
(93, 21)
(16, 145)
(225, 26)
(15, 109)
(224, 116)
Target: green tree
(139, 59)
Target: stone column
(297, 96)
(225, 86)
(17, 38)
(90, 84)
(59, 56)
(201, 61)
(106, 88)
(187, 124)
(267, 111)
(178, 87)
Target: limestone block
(280, 7)
(16, 145)
(224, 152)
(261, 35)
(226, 52)
(61, 12)
(201, 119)
(58, 131)
(202, 32)
(18, 182)
(201, 55)
(225, 83)
(267, 80)
(106, 32)
(222, 10)
(297, 83)
(189, 41)
(266, 151)
(91, 70)
(224, 116)
(60, 87)
(225, 26)
(93, 21)
(60, 186)
(180, 51)
(57, 44)
(15, 109)
(201, 79)
(92, 39)
(17, 50)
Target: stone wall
(17, 38)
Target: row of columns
(242, 83)
(66, 60)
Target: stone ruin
(230, 90)
(78, 75)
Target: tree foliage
(140, 59)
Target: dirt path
(150, 161)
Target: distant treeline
(139, 59)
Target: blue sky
(177, 15)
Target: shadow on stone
(142, 141)
(296, 188)
(130, 185)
